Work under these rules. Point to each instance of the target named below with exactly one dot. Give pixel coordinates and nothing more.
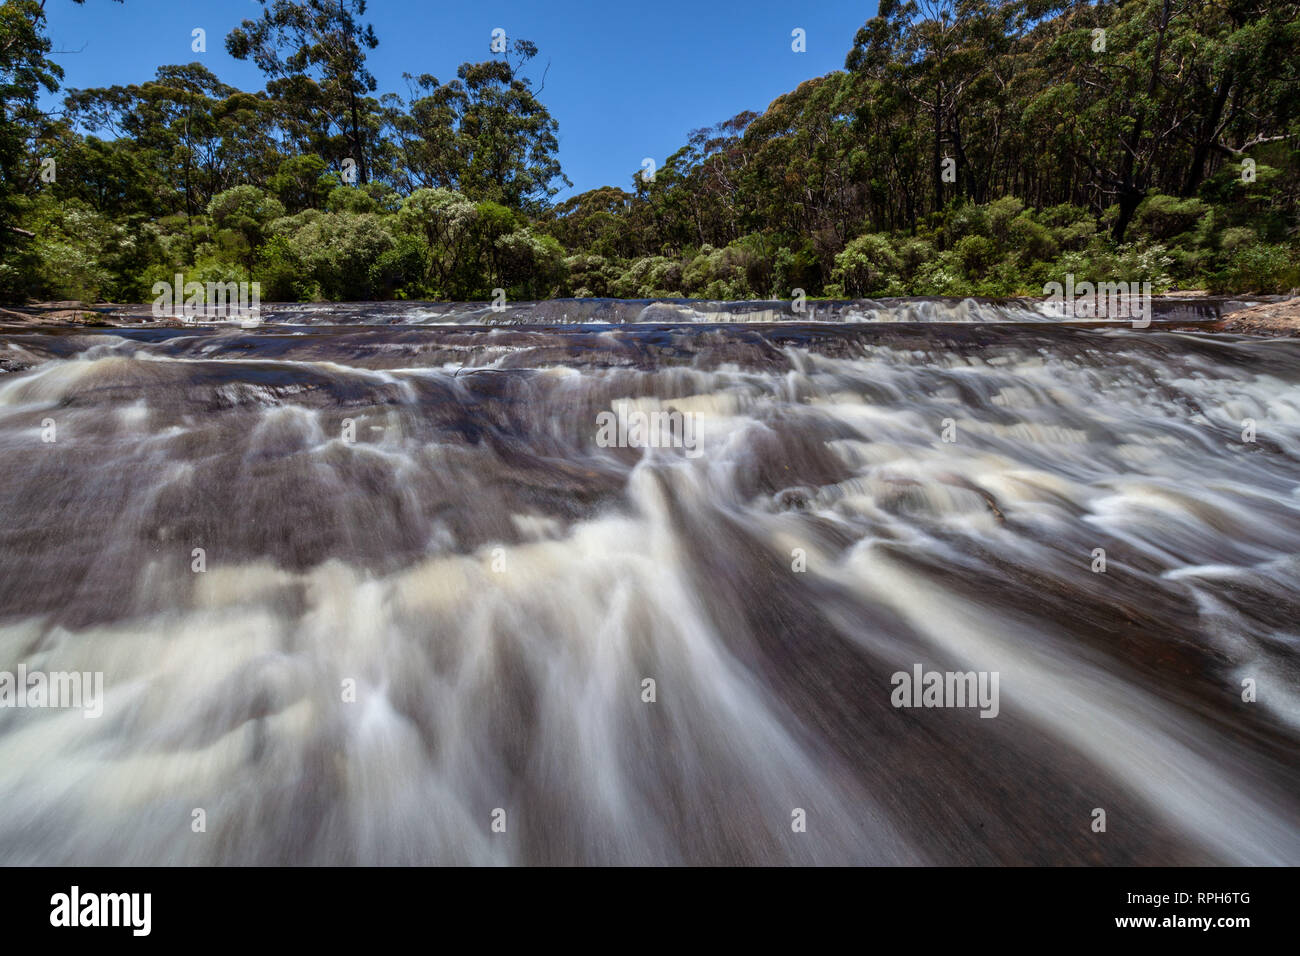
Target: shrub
(1236, 237)
(967, 220)
(650, 277)
(869, 265)
(1001, 213)
(1030, 240)
(942, 276)
(1165, 218)
(1260, 268)
(977, 254)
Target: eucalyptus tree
(485, 134)
(313, 53)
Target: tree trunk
(1205, 140)
(1131, 193)
(938, 155)
(356, 141)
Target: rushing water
(692, 311)
(498, 585)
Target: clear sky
(627, 79)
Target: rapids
(496, 586)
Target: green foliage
(977, 254)
(314, 51)
(239, 217)
(484, 134)
(588, 276)
(1258, 268)
(350, 199)
(24, 72)
(398, 268)
(1174, 158)
(340, 251)
(297, 182)
(1167, 218)
(650, 277)
(869, 266)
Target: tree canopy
(969, 147)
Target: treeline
(985, 147)
(967, 148)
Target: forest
(980, 147)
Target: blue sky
(627, 80)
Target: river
(378, 594)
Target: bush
(350, 199)
(401, 267)
(1030, 241)
(977, 254)
(531, 264)
(280, 271)
(868, 266)
(1001, 214)
(967, 220)
(942, 276)
(1237, 237)
(650, 277)
(1166, 218)
(1259, 268)
(588, 276)
(793, 269)
(339, 251)
(720, 273)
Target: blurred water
(591, 311)
(498, 585)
